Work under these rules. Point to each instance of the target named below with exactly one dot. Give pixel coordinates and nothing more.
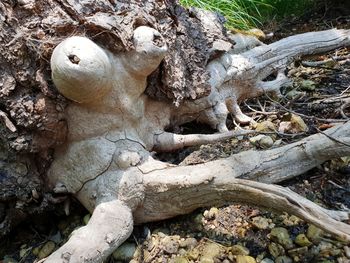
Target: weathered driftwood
(113, 126)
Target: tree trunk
(121, 73)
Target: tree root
(188, 193)
(220, 181)
(110, 225)
(167, 142)
(124, 125)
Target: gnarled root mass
(107, 163)
(172, 191)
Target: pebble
(180, 260)
(347, 251)
(298, 123)
(239, 250)
(314, 234)
(260, 222)
(302, 240)
(281, 236)
(86, 219)
(209, 252)
(292, 221)
(213, 213)
(161, 232)
(125, 252)
(46, 249)
(276, 250)
(170, 245)
(267, 260)
(293, 94)
(283, 259)
(262, 141)
(265, 126)
(297, 252)
(189, 243)
(245, 259)
(307, 85)
(193, 254)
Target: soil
(320, 95)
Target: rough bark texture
(32, 110)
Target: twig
(260, 112)
(342, 108)
(332, 138)
(7, 122)
(303, 115)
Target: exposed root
(214, 188)
(166, 142)
(236, 77)
(216, 182)
(110, 225)
(115, 112)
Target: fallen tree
(114, 122)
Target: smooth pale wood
(173, 191)
(109, 226)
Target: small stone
(193, 254)
(209, 252)
(206, 259)
(170, 245)
(314, 234)
(260, 256)
(267, 260)
(161, 232)
(307, 85)
(297, 252)
(265, 126)
(336, 252)
(36, 251)
(260, 222)
(189, 243)
(302, 240)
(152, 242)
(262, 141)
(46, 249)
(245, 259)
(198, 221)
(342, 260)
(182, 252)
(24, 251)
(239, 250)
(281, 236)
(292, 221)
(180, 260)
(276, 250)
(298, 124)
(283, 259)
(347, 251)
(125, 252)
(294, 94)
(325, 248)
(86, 219)
(211, 214)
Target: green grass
(245, 14)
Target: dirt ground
(320, 96)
